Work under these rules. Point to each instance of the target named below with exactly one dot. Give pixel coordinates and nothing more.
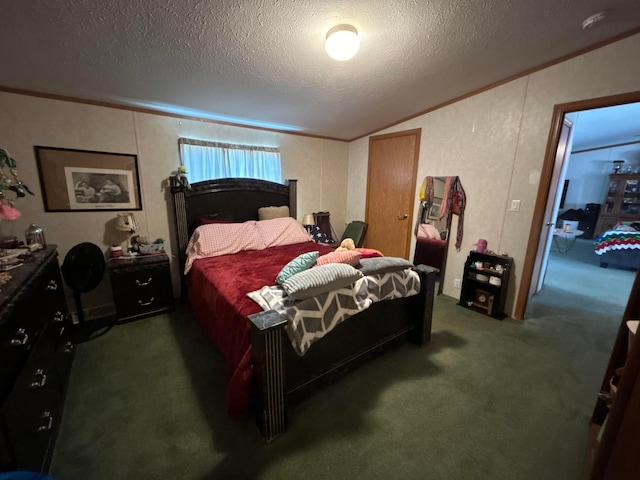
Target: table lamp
(308, 221)
(127, 223)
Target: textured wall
(319, 165)
(495, 141)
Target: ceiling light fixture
(342, 42)
(591, 20)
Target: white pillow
(281, 231)
(267, 213)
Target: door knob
(549, 224)
(402, 217)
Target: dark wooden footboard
(282, 377)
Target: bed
(266, 373)
(619, 247)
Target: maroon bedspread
(217, 288)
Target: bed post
(180, 210)
(293, 197)
(268, 373)
(424, 304)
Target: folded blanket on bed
(312, 318)
(612, 240)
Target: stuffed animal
(178, 179)
(346, 244)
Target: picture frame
(434, 211)
(86, 180)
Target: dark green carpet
(486, 399)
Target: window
(208, 160)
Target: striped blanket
(617, 240)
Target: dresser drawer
(55, 350)
(30, 426)
(17, 337)
(31, 414)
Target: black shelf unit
(486, 296)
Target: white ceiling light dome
(342, 42)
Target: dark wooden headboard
(242, 197)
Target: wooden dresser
(35, 362)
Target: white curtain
(209, 160)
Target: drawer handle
(143, 284)
(145, 304)
(58, 317)
(43, 379)
(68, 347)
(52, 286)
(20, 341)
(47, 423)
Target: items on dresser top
(34, 234)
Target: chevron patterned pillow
(299, 264)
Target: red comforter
(217, 288)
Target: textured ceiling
(262, 62)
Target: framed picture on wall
(434, 211)
(83, 180)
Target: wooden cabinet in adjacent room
(621, 202)
(35, 357)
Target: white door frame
(563, 152)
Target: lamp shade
(307, 220)
(126, 223)
(342, 42)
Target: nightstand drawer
(134, 305)
(140, 279)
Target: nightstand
(141, 286)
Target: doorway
(391, 182)
(539, 221)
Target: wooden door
(552, 207)
(393, 164)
